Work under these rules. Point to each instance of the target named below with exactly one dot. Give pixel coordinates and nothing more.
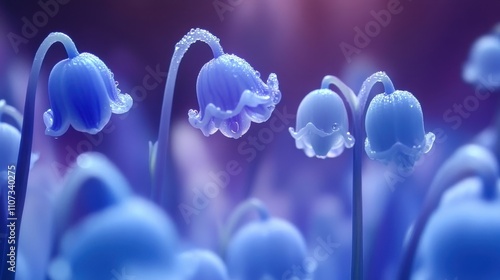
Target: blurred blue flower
(483, 66)
(231, 95)
(133, 237)
(83, 94)
(267, 249)
(93, 184)
(322, 125)
(204, 265)
(395, 129)
(461, 239)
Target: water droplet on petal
(234, 127)
(257, 73)
(335, 127)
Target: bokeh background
(422, 48)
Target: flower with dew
(83, 94)
(322, 125)
(231, 95)
(395, 129)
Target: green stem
(470, 160)
(24, 158)
(162, 163)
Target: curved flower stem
(238, 214)
(12, 112)
(24, 158)
(161, 165)
(357, 105)
(468, 161)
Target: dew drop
(234, 127)
(335, 127)
(257, 73)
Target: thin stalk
(468, 161)
(12, 112)
(24, 158)
(357, 105)
(162, 162)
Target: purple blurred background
(422, 48)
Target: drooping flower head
(395, 129)
(483, 66)
(133, 238)
(83, 94)
(264, 249)
(267, 248)
(203, 265)
(322, 125)
(92, 185)
(460, 238)
(231, 95)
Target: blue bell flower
(322, 125)
(266, 249)
(93, 184)
(461, 239)
(395, 129)
(134, 238)
(83, 94)
(204, 265)
(483, 66)
(231, 95)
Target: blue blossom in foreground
(134, 237)
(203, 265)
(322, 125)
(231, 95)
(83, 94)
(92, 185)
(395, 129)
(460, 239)
(483, 66)
(267, 249)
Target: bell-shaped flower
(92, 185)
(395, 129)
(267, 249)
(134, 238)
(231, 95)
(483, 65)
(83, 94)
(461, 238)
(322, 125)
(203, 265)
